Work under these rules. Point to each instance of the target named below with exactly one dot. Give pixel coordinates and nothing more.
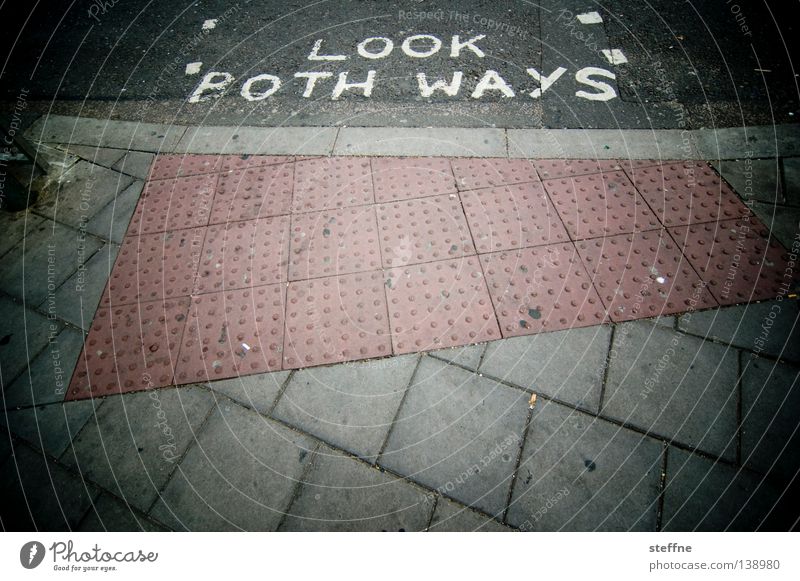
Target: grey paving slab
(104, 156)
(753, 179)
(239, 475)
(450, 516)
(254, 391)
(48, 256)
(137, 440)
(675, 386)
(468, 356)
(49, 428)
(14, 227)
(458, 433)
(25, 333)
(408, 141)
(770, 422)
(579, 473)
(76, 300)
(791, 180)
(782, 221)
(105, 133)
(601, 144)
(6, 444)
(350, 405)
(701, 495)
(756, 142)
(82, 192)
(39, 494)
(135, 163)
(343, 494)
(113, 515)
(48, 377)
(769, 328)
(259, 140)
(567, 365)
(664, 321)
(111, 222)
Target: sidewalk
(356, 326)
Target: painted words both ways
(319, 83)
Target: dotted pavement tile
(231, 163)
(541, 289)
(154, 266)
(510, 217)
(440, 304)
(737, 260)
(334, 242)
(168, 166)
(566, 168)
(687, 193)
(130, 348)
(474, 173)
(257, 192)
(643, 275)
(244, 254)
(332, 182)
(423, 230)
(404, 178)
(173, 204)
(600, 205)
(232, 333)
(335, 319)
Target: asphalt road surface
(566, 63)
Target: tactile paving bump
(687, 193)
(439, 304)
(130, 348)
(258, 192)
(473, 173)
(167, 166)
(643, 275)
(541, 289)
(404, 178)
(599, 205)
(154, 266)
(173, 204)
(334, 319)
(232, 333)
(238, 162)
(334, 242)
(244, 254)
(332, 182)
(509, 217)
(565, 168)
(736, 260)
(423, 230)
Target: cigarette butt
(532, 401)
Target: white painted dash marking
(209, 24)
(193, 68)
(614, 56)
(590, 18)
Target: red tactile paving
(232, 333)
(244, 254)
(541, 289)
(600, 205)
(440, 304)
(168, 166)
(342, 318)
(332, 182)
(130, 348)
(238, 162)
(509, 217)
(173, 204)
(736, 260)
(687, 193)
(473, 173)
(423, 230)
(564, 168)
(643, 275)
(154, 266)
(334, 242)
(257, 192)
(404, 178)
